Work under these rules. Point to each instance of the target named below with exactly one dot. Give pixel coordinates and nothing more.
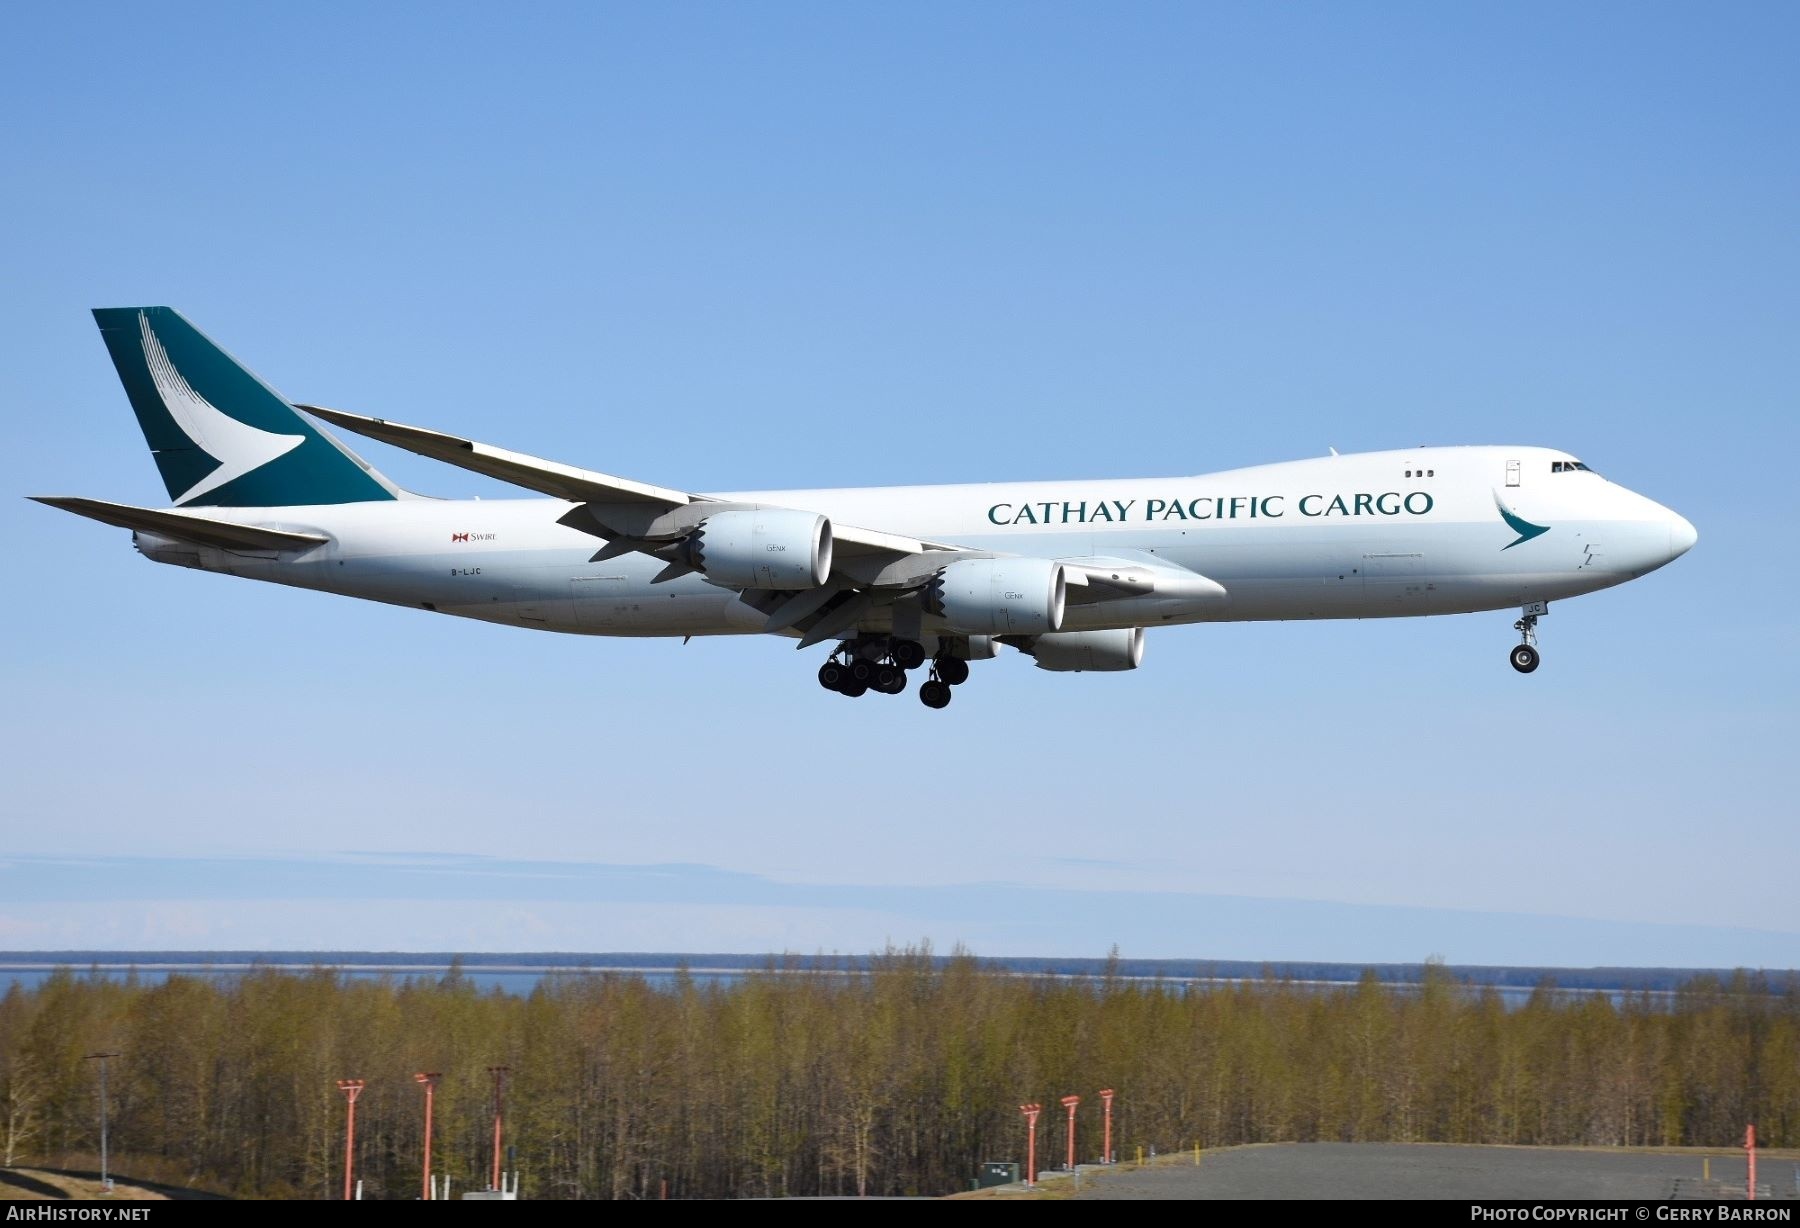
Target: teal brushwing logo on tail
(238, 448)
(221, 437)
(1518, 524)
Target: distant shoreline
(33, 965)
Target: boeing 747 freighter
(890, 579)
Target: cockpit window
(1568, 467)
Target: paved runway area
(1394, 1170)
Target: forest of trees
(900, 1078)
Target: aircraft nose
(1682, 535)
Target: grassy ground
(29, 1184)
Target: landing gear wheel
(833, 675)
(889, 680)
(934, 694)
(853, 688)
(862, 670)
(908, 654)
(1524, 658)
(953, 670)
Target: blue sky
(728, 247)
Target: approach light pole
(1106, 1151)
(1749, 1151)
(429, 1079)
(1031, 1112)
(105, 1180)
(499, 1073)
(1069, 1103)
(352, 1088)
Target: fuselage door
(601, 603)
(1395, 576)
(1512, 473)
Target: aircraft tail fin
(222, 437)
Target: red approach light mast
(1031, 1112)
(1750, 1151)
(352, 1088)
(1069, 1103)
(429, 1079)
(499, 1073)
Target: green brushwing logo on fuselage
(1518, 524)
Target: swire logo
(472, 537)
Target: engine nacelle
(765, 548)
(999, 596)
(1100, 651)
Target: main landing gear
(880, 664)
(1524, 657)
(946, 672)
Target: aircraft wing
(618, 508)
(186, 526)
(546, 477)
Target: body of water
(520, 974)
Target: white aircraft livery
(892, 579)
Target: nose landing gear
(1524, 656)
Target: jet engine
(762, 548)
(999, 596)
(1099, 651)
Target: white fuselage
(1373, 535)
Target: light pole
(1069, 1103)
(1031, 1112)
(1106, 1151)
(105, 1180)
(1749, 1150)
(351, 1088)
(499, 1073)
(429, 1079)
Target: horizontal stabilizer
(185, 526)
